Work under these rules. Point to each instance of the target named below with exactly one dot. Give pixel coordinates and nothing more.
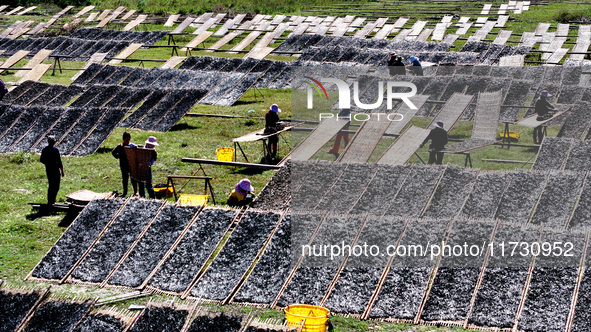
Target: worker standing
(438, 137)
(54, 169)
(151, 143)
(395, 65)
(343, 115)
(273, 125)
(242, 194)
(119, 153)
(416, 66)
(544, 110)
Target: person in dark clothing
(416, 66)
(544, 110)
(54, 169)
(272, 125)
(344, 115)
(119, 153)
(3, 90)
(438, 137)
(395, 65)
(151, 143)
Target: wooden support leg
(242, 151)
(421, 159)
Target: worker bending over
(242, 195)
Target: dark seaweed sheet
(341, 194)
(277, 192)
(55, 316)
(221, 323)
(49, 94)
(20, 127)
(116, 240)
(174, 115)
(156, 113)
(64, 97)
(271, 271)
(520, 197)
(486, 195)
(79, 131)
(557, 200)
(144, 257)
(100, 322)
(14, 307)
(316, 185)
(582, 214)
(119, 75)
(451, 192)
(102, 75)
(38, 130)
(160, 319)
(188, 257)
(76, 239)
(379, 193)
(552, 153)
(151, 101)
(100, 133)
(35, 90)
(236, 256)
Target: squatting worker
(242, 194)
(119, 153)
(273, 125)
(438, 137)
(343, 115)
(50, 157)
(415, 66)
(544, 110)
(395, 65)
(3, 90)
(151, 143)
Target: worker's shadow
(45, 211)
(181, 126)
(248, 171)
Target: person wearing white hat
(416, 66)
(150, 143)
(438, 137)
(242, 194)
(544, 110)
(272, 125)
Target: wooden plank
(3, 7)
(131, 25)
(36, 73)
(417, 28)
(562, 30)
(384, 32)
(258, 135)
(580, 47)
(261, 47)
(278, 19)
(223, 30)
(542, 28)
(553, 47)
(503, 9)
(528, 39)
(463, 19)
(23, 12)
(184, 24)
(129, 50)
(300, 29)
(556, 56)
(400, 22)
(452, 110)
(480, 21)
(486, 9)
(262, 53)
(447, 19)
(246, 41)
(203, 18)
(512, 60)
(464, 28)
(407, 113)
(224, 40)
(210, 23)
(404, 147)
(129, 14)
(482, 32)
(104, 14)
(171, 19)
(423, 36)
(439, 31)
(381, 21)
(450, 39)
(366, 30)
(321, 135)
(14, 11)
(361, 147)
(16, 57)
(358, 22)
(95, 58)
(341, 29)
(37, 59)
(197, 40)
(402, 34)
(502, 37)
(83, 11)
(173, 62)
(502, 21)
(91, 17)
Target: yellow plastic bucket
(194, 200)
(315, 318)
(225, 154)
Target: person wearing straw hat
(438, 137)
(150, 143)
(54, 169)
(242, 194)
(395, 65)
(415, 66)
(544, 110)
(272, 125)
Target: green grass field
(25, 238)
